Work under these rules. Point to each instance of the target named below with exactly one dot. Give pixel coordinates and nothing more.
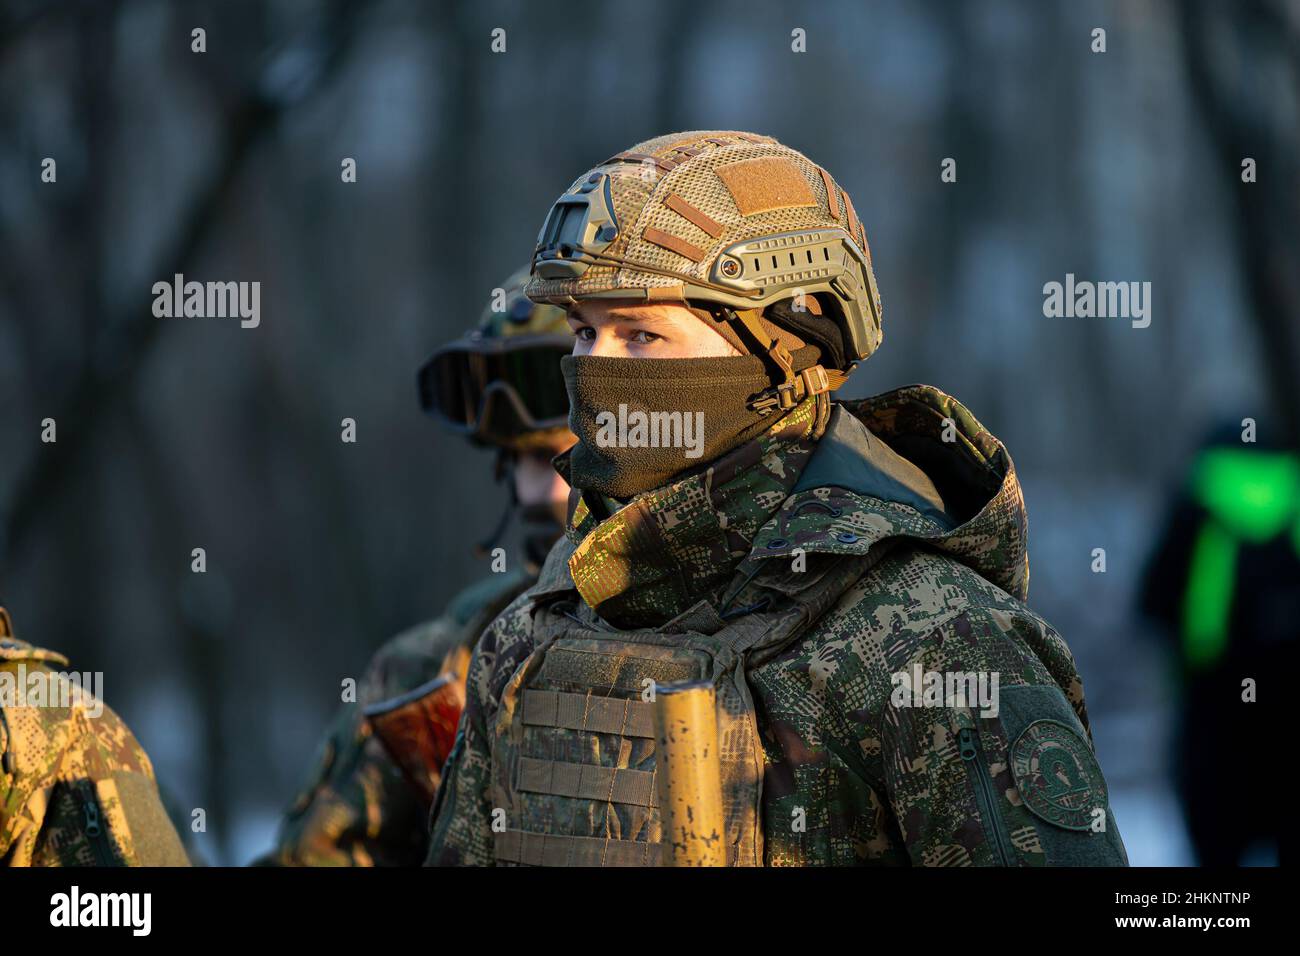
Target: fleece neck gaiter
(641, 423)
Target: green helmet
(500, 384)
(734, 223)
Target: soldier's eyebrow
(621, 315)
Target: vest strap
(744, 633)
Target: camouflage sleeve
(77, 788)
(1002, 776)
(460, 822)
(361, 808)
(358, 808)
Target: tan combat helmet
(500, 384)
(726, 221)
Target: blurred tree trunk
(458, 187)
(1243, 63)
(202, 631)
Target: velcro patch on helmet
(765, 184)
(1057, 775)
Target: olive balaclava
(642, 423)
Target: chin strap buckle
(813, 380)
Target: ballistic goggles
(499, 391)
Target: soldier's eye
(642, 337)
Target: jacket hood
(911, 463)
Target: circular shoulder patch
(1057, 775)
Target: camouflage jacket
(76, 788)
(856, 769)
(360, 808)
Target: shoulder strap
(799, 599)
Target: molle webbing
(664, 163)
(831, 199)
(683, 248)
(545, 849)
(599, 715)
(692, 215)
(588, 781)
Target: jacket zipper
(94, 824)
(972, 754)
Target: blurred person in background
(76, 787)
(1223, 583)
(367, 803)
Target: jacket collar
(663, 551)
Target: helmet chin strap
(544, 528)
(505, 467)
(792, 387)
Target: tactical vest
(574, 749)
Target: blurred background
(175, 434)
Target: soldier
(1223, 584)
(76, 787)
(847, 577)
(368, 802)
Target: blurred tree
(1243, 65)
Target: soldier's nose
(607, 345)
